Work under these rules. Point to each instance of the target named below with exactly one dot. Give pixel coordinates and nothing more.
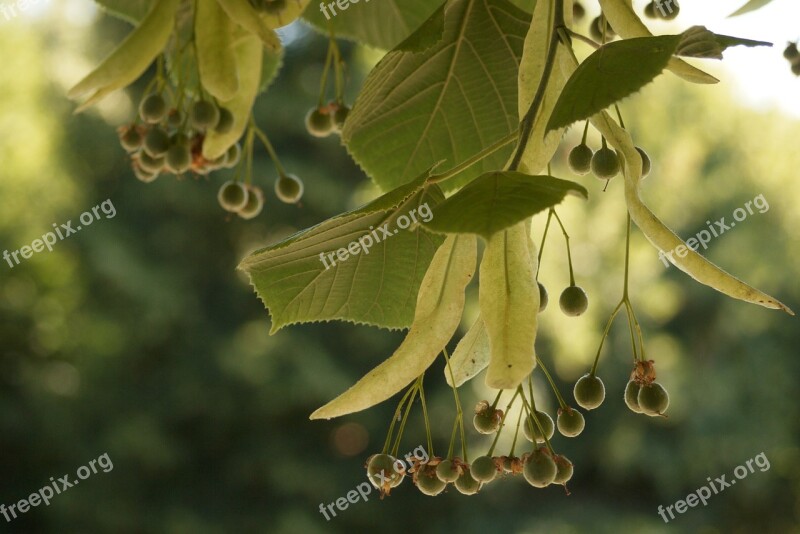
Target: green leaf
(270, 67)
(446, 103)
(628, 25)
(378, 23)
(438, 313)
(132, 11)
(509, 301)
(471, 355)
(378, 287)
(498, 200)
(427, 35)
(752, 5)
(699, 42)
(611, 73)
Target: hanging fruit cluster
(212, 60)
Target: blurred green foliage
(137, 338)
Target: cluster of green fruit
(573, 300)
(170, 140)
(323, 121)
(604, 164)
(540, 468)
(643, 394)
(792, 55)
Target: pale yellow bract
(440, 304)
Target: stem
(323, 82)
(483, 154)
(605, 335)
(516, 433)
(561, 402)
(497, 399)
(544, 238)
(569, 253)
(526, 127)
(585, 133)
(591, 42)
(396, 417)
(270, 150)
(410, 404)
(425, 413)
(502, 423)
(459, 411)
(532, 411)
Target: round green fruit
(149, 163)
(632, 396)
(573, 301)
(448, 471)
(605, 164)
(565, 469)
(156, 142)
(340, 116)
(381, 471)
(233, 156)
(531, 430)
(544, 298)
(178, 158)
(319, 123)
(539, 469)
(143, 175)
(427, 481)
(254, 205)
(225, 122)
(650, 10)
(570, 422)
(487, 421)
(580, 159)
(203, 115)
(232, 196)
(289, 189)
(578, 11)
(153, 108)
(653, 399)
(791, 52)
(483, 469)
(589, 392)
(466, 483)
(131, 139)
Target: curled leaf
(439, 306)
(693, 264)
